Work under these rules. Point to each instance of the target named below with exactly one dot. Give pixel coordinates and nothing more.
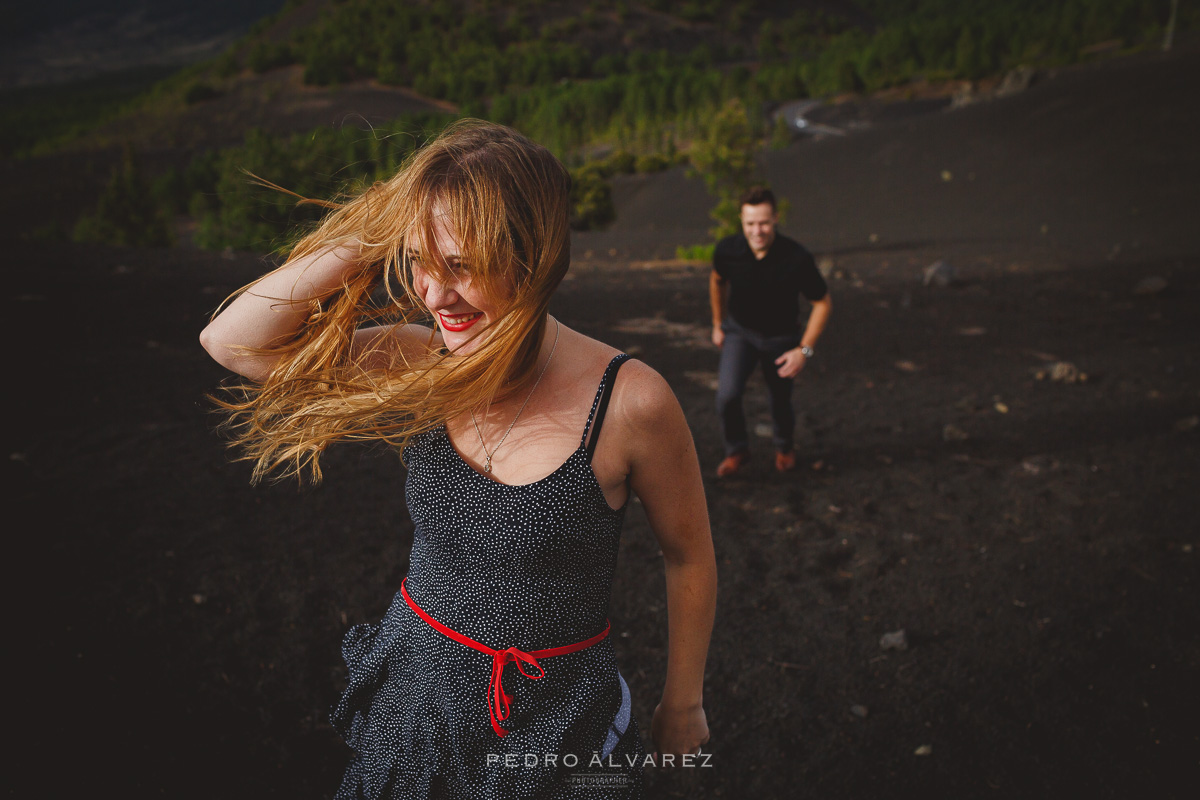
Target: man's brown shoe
(730, 465)
(785, 462)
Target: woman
(492, 673)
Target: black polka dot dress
(527, 567)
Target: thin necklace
(487, 466)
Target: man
(755, 287)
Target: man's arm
(791, 362)
(718, 292)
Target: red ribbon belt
(499, 701)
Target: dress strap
(600, 404)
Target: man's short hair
(756, 196)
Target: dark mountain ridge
(63, 41)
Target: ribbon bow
(499, 701)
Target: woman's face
(462, 310)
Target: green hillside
(574, 73)
(641, 82)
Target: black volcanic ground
(177, 631)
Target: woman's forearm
(272, 310)
(691, 606)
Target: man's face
(758, 224)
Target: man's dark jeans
(742, 350)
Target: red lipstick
(458, 327)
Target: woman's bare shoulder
(637, 383)
(637, 379)
(643, 399)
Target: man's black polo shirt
(764, 296)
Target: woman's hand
(678, 731)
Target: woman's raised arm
(272, 310)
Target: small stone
(1064, 372)
(964, 95)
(874, 237)
(947, 175)
(199, 599)
(1016, 80)
(1187, 424)
(906, 366)
(896, 640)
(1151, 285)
(924, 750)
(763, 430)
(939, 273)
(1001, 407)
(953, 433)
(859, 711)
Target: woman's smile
(459, 322)
(462, 309)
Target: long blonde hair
(508, 199)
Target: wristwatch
(806, 351)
